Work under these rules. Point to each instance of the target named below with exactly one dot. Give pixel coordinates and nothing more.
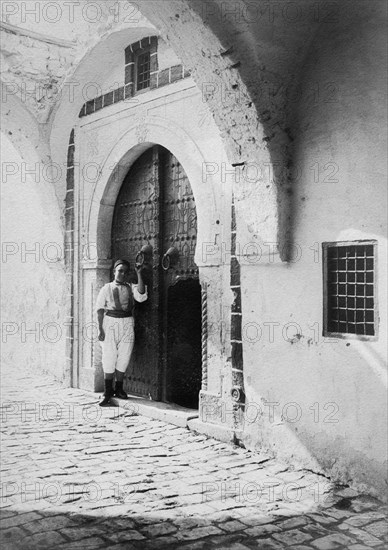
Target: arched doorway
(155, 209)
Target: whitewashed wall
(338, 388)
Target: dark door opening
(183, 377)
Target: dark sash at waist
(118, 314)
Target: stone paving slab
(75, 476)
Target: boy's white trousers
(118, 344)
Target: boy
(116, 326)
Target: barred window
(143, 70)
(350, 288)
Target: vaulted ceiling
(251, 53)
(262, 42)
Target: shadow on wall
(33, 289)
(339, 154)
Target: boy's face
(121, 273)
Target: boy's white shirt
(105, 299)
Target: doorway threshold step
(157, 410)
(216, 431)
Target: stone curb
(156, 410)
(178, 416)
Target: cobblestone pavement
(75, 476)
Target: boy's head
(121, 270)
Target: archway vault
(252, 127)
(245, 73)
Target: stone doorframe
(130, 145)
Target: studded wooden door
(156, 208)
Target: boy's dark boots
(119, 392)
(108, 393)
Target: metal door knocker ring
(143, 255)
(170, 258)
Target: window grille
(350, 288)
(143, 70)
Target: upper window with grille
(143, 70)
(350, 288)
(141, 66)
